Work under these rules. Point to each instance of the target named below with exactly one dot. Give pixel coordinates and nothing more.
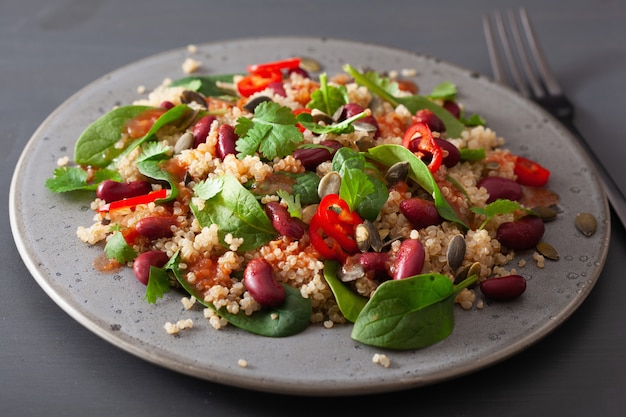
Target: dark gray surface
(51, 365)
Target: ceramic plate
(319, 361)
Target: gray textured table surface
(51, 365)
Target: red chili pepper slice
(135, 201)
(258, 81)
(289, 63)
(334, 252)
(530, 172)
(419, 139)
(338, 222)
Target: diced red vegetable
(530, 172)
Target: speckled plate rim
(470, 348)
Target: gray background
(51, 365)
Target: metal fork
(536, 81)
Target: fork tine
(496, 61)
(542, 64)
(496, 58)
(523, 56)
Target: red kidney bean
(310, 158)
(143, 262)
(503, 288)
(166, 105)
(420, 213)
(453, 154)
(377, 262)
(499, 187)
(283, 222)
(260, 281)
(155, 227)
(110, 190)
(521, 234)
(453, 107)
(278, 88)
(409, 259)
(426, 116)
(300, 71)
(226, 140)
(352, 109)
(201, 129)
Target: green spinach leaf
(96, 145)
(205, 85)
(349, 302)
(236, 211)
(384, 88)
(418, 172)
(291, 317)
(410, 313)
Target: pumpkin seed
(586, 223)
(189, 96)
(368, 237)
(310, 64)
(547, 214)
(456, 252)
(185, 141)
(329, 184)
(547, 251)
(397, 172)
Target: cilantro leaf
(293, 203)
(328, 98)
(158, 284)
(75, 178)
(498, 207)
(117, 248)
(272, 132)
(149, 164)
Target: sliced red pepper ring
(135, 201)
(289, 63)
(334, 252)
(530, 172)
(338, 222)
(419, 139)
(258, 81)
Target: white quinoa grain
(242, 363)
(190, 65)
(381, 359)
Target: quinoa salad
(283, 197)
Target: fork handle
(614, 194)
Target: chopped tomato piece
(530, 172)
(419, 139)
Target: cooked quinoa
(214, 269)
